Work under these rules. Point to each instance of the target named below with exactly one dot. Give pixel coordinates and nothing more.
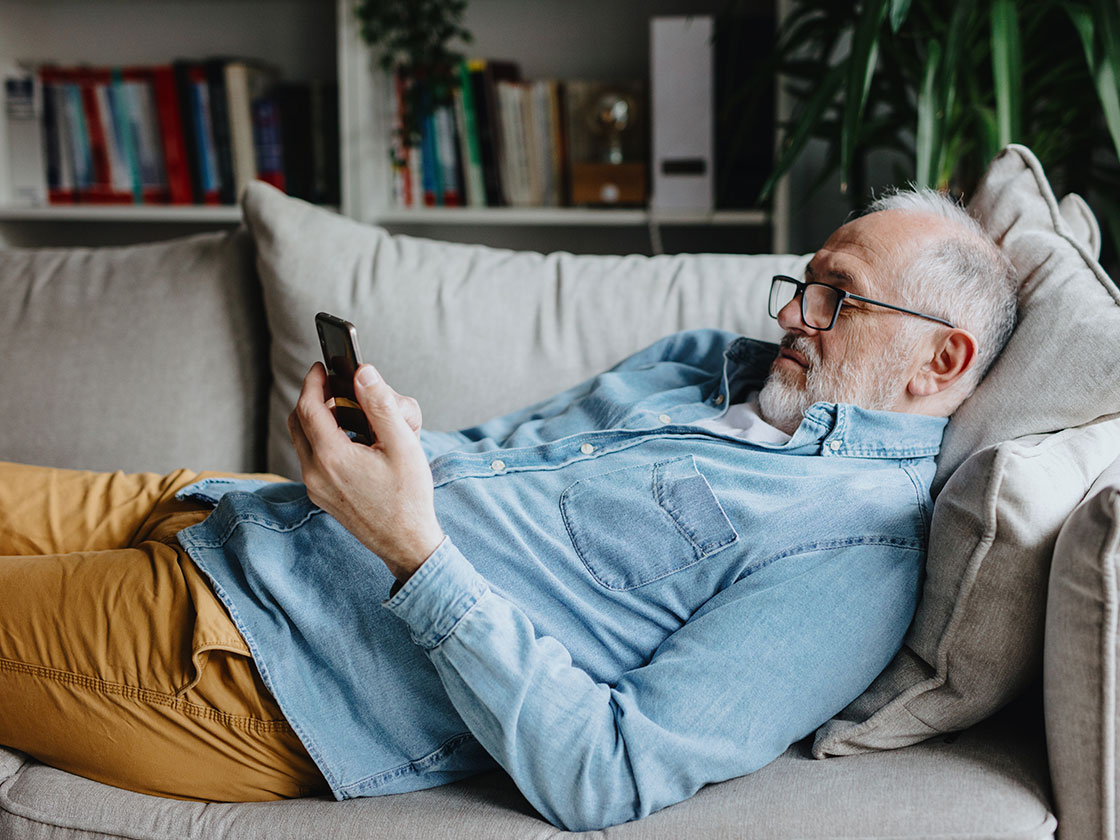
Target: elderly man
(658, 579)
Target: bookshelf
(318, 39)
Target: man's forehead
(862, 256)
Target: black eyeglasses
(820, 302)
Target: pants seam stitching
(147, 695)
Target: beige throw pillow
(1059, 368)
(976, 640)
(473, 331)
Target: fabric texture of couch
(189, 353)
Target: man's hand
(382, 494)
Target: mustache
(803, 346)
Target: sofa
(997, 718)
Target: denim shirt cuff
(438, 595)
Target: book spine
(184, 88)
(51, 144)
(144, 125)
(433, 188)
(483, 98)
(23, 108)
(219, 129)
(100, 188)
(125, 121)
(60, 186)
(240, 116)
(268, 142)
(472, 158)
(445, 150)
(510, 146)
(209, 176)
(118, 185)
(78, 139)
(165, 92)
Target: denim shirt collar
(839, 429)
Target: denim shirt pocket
(637, 525)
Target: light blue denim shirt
(626, 608)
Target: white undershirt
(743, 420)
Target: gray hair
(962, 277)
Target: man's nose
(790, 320)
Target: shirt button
(719, 400)
(834, 445)
(497, 465)
(587, 449)
(665, 418)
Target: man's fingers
(299, 440)
(379, 401)
(316, 421)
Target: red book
(171, 128)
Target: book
(219, 128)
(61, 186)
(475, 189)
(126, 123)
(245, 82)
(268, 142)
(198, 130)
(326, 180)
(485, 74)
(294, 101)
(23, 107)
(447, 156)
(174, 146)
(109, 180)
(150, 169)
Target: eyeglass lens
(817, 307)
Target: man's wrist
(404, 565)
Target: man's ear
(954, 354)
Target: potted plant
(947, 83)
(413, 38)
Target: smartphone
(339, 342)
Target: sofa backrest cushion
(473, 331)
(141, 358)
(1080, 689)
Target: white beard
(876, 386)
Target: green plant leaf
(803, 125)
(861, 67)
(899, 10)
(1007, 70)
(927, 140)
(1102, 70)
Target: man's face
(862, 359)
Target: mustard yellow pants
(117, 661)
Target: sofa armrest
(1080, 664)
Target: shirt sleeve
(760, 666)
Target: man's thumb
(381, 409)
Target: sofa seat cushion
(988, 781)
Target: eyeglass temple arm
(900, 309)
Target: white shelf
(558, 216)
(206, 214)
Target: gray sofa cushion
(1080, 681)
(142, 358)
(991, 781)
